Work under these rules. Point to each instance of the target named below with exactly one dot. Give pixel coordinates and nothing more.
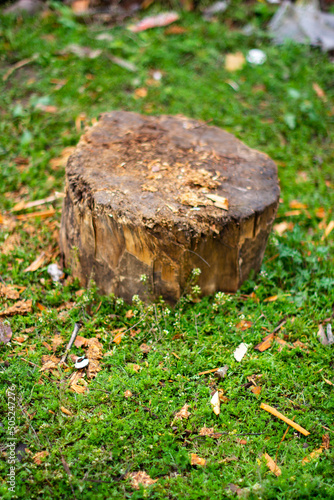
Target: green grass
(275, 110)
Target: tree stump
(160, 196)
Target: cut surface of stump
(159, 196)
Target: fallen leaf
(47, 346)
(145, 349)
(127, 394)
(328, 230)
(38, 262)
(140, 93)
(320, 93)
(282, 227)
(80, 341)
(206, 431)
(244, 325)
(175, 30)
(183, 413)
(240, 351)
(66, 411)
(11, 243)
(136, 367)
(61, 161)
(129, 314)
(256, 390)
(94, 353)
(19, 308)
(9, 292)
(40, 306)
(21, 339)
(142, 478)
(118, 337)
(154, 21)
(215, 403)
(242, 441)
(325, 441)
(56, 342)
(300, 344)
(5, 333)
(234, 62)
(295, 204)
(196, 460)
(49, 362)
(39, 456)
(315, 454)
(271, 299)
(320, 213)
(292, 213)
(79, 389)
(272, 465)
(80, 6)
(328, 381)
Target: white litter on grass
(215, 403)
(256, 57)
(81, 362)
(240, 351)
(55, 272)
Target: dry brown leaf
(12, 242)
(244, 325)
(127, 394)
(119, 335)
(271, 299)
(81, 341)
(145, 348)
(19, 308)
(196, 460)
(94, 353)
(39, 456)
(242, 441)
(282, 227)
(328, 230)
(56, 342)
(183, 413)
(136, 367)
(256, 390)
(320, 213)
(325, 441)
(129, 314)
(21, 339)
(300, 344)
(140, 477)
(5, 333)
(328, 381)
(47, 346)
(272, 465)
(140, 93)
(49, 362)
(38, 262)
(175, 30)
(315, 454)
(66, 411)
(9, 292)
(234, 62)
(206, 431)
(265, 343)
(292, 213)
(79, 389)
(320, 93)
(295, 204)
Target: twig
(68, 472)
(18, 65)
(77, 327)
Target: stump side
(113, 230)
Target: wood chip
(325, 441)
(272, 465)
(208, 371)
(215, 403)
(127, 394)
(43, 215)
(277, 414)
(196, 460)
(218, 201)
(94, 354)
(256, 390)
(234, 62)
